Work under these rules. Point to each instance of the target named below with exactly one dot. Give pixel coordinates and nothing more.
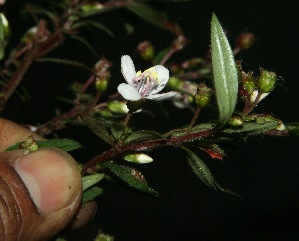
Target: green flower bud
(92, 7)
(245, 40)
(235, 121)
(105, 113)
(248, 82)
(104, 237)
(146, 50)
(138, 158)
(203, 95)
(29, 145)
(101, 84)
(266, 81)
(119, 107)
(174, 83)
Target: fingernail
(51, 177)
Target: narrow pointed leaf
(202, 171)
(63, 144)
(138, 136)
(149, 14)
(86, 44)
(130, 176)
(66, 62)
(253, 128)
(91, 180)
(98, 128)
(91, 194)
(225, 73)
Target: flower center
(146, 81)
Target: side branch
(90, 166)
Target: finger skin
(20, 219)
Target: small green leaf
(118, 130)
(203, 172)
(293, 128)
(86, 44)
(139, 136)
(253, 128)
(160, 55)
(149, 14)
(91, 194)
(94, 24)
(91, 180)
(63, 144)
(224, 72)
(98, 128)
(130, 176)
(66, 62)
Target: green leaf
(139, 136)
(86, 44)
(149, 14)
(98, 128)
(90, 180)
(293, 128)
(63, 144)
(203, 172)
(94, 24)
(91, 194)
(130, 176)
(2, 37)
(160, 55)
(66, 62)
(224, 72)
(253, 128)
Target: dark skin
(40, 192)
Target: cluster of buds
(260, 86)
(102, 74)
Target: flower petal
(128, 68)
(128, 92)
(163, 76)
(163, 96)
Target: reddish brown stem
(172, 141)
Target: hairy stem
(90, 166)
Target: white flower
(143, 85)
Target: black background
(264, 172)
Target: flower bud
(203, 95)
(101, 84)
(29, 145)
(105, 113)
(245, 40)
(104, 237)
(174, 83)
(92, 7)
(146, 50)
(119, 107)
(138, 158)
(248, 82)
(235, 121)
(266, 81)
